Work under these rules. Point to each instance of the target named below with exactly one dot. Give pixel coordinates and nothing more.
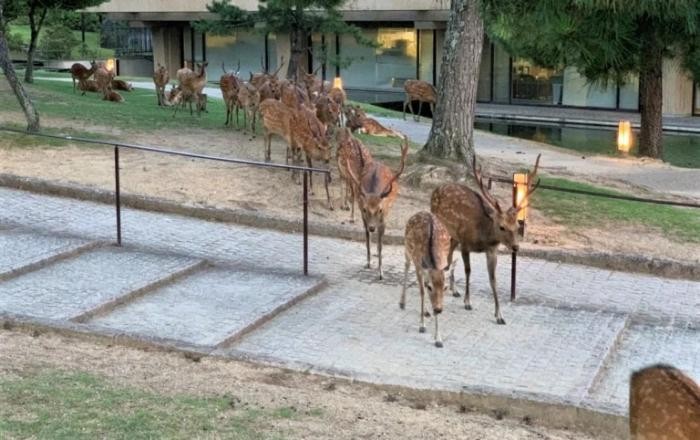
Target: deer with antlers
(350, 154)
(378, 188)
(230, 86)
(477, 223)
(664, 404)
(421, 91)
(161, 77)
(81, 73)
(258, 79)
(427, 244)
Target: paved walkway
(573, 336)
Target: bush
(57, 42)
(15, 42)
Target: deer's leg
(410, 107)
(352, 202)
(405, 103)
(311, 175)
(491, 264)
(267, 141)
(450, 263)
(402, 300)
(366, 240)
(467, 272)
(326, 182)
(380, 235)
(438, 338)
(420, 109)
(252, 123)
(421, 287)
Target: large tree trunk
(298, 42)
(6, 66)
(452, 133)
(35, 27)
(651, 98)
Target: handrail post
(306, 223)
(117, 198)
(514, 255)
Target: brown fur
(353, 117)
(118, 84)
(378, 189)
(89, 85)
(351, 153)
(113, 96)
(338, 95)
(192, 84)
(309, 136)
(276, 121)
(664, 404)
(161, 77)
(81, 73)
(230, 86)
(249, 100)
(104, 77)
(421, 91)
(293, 95)
(427, 244)
(328, 111)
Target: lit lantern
(520, 181)
(624, 136)
(110, 64)
(338, 83)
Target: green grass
(65, 405)
(92, 41)
(572, 210)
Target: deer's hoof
(426, 314)
(438, 344)
(500, 321)
(402, 306)
(455, 294)
(467, 307)
(421, 329)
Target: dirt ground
(204, 183)
(348, 411)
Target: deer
(664, 404)
(421, 91)
(192, 85)
(82, 73)
(258, 79)
(328, 111)
(118, 84)
(185, 72)
(357, 120)
(378, 188)
(276, 119)
(351, 153)
(230, 86)
(477, 223)
(249, 100)
(161, 77)
(111, 95)
(89, 85)
(104, 77)
(309, 135)
(427, 244)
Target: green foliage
(15, 42)
(73, 20)
(58, 42)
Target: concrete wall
(677, 89)
(135, 67)
(166, 48)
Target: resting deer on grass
(161, 77)
(421, 91)
(118, 84)
(89, 85)
(664, 404)
(357, 120)
(378, 189)
(477, 223)
(81, 73)
(427, 243)
(113, 96)
(351, 154)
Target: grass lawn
(68, 405)
(92, 40)
(679, 224)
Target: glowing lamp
(338, 83)
(520, 182)
(624, 136)
(110, 64)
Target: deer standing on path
(161, 77)
(249, 100)
(421, 91)
(230, 85)
(82, 73)
(664, 404)
(351, 154)
(477, 223)
(427, 243)
(378, 189)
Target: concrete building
(409, 35)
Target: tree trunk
(6, 66)
(35, 27)
(651, 98)
(452, 133)
(298, 41)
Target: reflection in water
(679, 149)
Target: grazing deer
(477, 223)
(421, 91)
(351, 153)
(378, 190)
(118, 84)
(88, 85)
(664, 404)
(161, 77)
(427, 243)
(230, 86)
(81, 73)
(249, 100)
(113, 96)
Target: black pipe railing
(149, 149)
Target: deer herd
(310, 115)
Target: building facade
(409, 38)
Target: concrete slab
(641, 346)
(209, 307)
(358, 331)
(68, 288)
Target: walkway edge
(634, 263)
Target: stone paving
(573, 336)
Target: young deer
(118, 84)
(378, 190)
(664, 404)
(351, 154)
(192, 86)
(113, 96)
(427, 244)
(230, 85)
(276, 119)
(161, 77)
(477, 223)
(81, 73)
(421, 91)
(328, 111)
(249, 100)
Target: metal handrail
(149, 149)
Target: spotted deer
(378, 188)
(276, 118)
(81, 73)
(328, 111)
(421, 91)
(477, 223)
(249, 100)
(350, 154)
(427, 246)
(664, 404)
(161, 77)
(258, 79)
(230, 85)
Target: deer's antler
(280, 66)
(480, 180)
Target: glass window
(501, 76)
(198, 47)
(483, 92)
(578, 91)
(425, 58)
(245, 47)
(387, 66)
(534, 84)
(629, 94)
